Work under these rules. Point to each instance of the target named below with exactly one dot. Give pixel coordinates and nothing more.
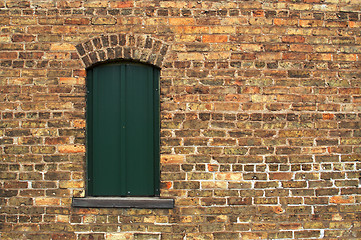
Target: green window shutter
(123, 130)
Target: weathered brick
(16, 149)
(103, 21)
(259, 117)
(23, 38)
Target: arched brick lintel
(141, 48)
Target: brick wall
(260, 117)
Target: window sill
(123, 202)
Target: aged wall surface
(260, 117)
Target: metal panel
(106, 117)
(156, 130)
(123, 130)
(139, 130)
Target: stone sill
(123, 202)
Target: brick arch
(142, 48)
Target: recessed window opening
(123, 130)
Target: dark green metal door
(123, 130)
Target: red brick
(71, 149)
(214, 38)
(281, 176)
(342, 199)
(122, 4)
(8, 55)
